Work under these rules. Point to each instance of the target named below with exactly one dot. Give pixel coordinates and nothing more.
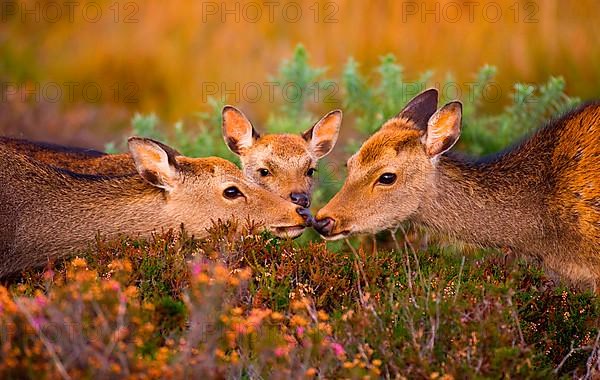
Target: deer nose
(301, 199)
(324, 226)
(306, 215)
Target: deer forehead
(287, 152)
(386, 144)
(285, 145)
(210, 167)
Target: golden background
(160, 56)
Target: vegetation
(247, 305)
(253, 306)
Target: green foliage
(376, 102)
(146, 125)
(205, 141)
(531, 106)
(297, 83)
(373, 103)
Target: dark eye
(387, 178)
(232, 192)
(264, 172)
(310, 172)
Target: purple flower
(196, 268)
(41, 301)
(337, 349)
(37, 322)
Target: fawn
(46, 212)
(282, 163)
(540, 198)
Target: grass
(252, 306)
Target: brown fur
(47, 212)
(75, 159)
(288, 158)
(78, 160)
(540, 198)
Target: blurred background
(78, 72)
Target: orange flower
(79, 262)
(323, 316)
(297, 320)
(311, 372)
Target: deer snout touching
(324, 226)
(301, 199)
(306, 215)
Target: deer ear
(323, 135)
(154, 163)
(443, 129)
(420, 108)
(170, 151)
(238, 132)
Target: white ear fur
(238, 132)
(443, 130)
(154, 164)
(323, 135)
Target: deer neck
(493, 204)
(119, 205)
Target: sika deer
(47, 212)
(540, 198)
(282, 163)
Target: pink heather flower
(337, 349)
(280, 351)
(196, 268)
(49, 274)
(37, 322)
(240, 328)
(256, 317)
(41, 301)
(300, 331)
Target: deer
(539, 198)
(47, 212)
(282, 163)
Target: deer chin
(337, 236)
(291, 232)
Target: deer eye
(264, 172)
(311, 172)
(387, 178)
(232, 192)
